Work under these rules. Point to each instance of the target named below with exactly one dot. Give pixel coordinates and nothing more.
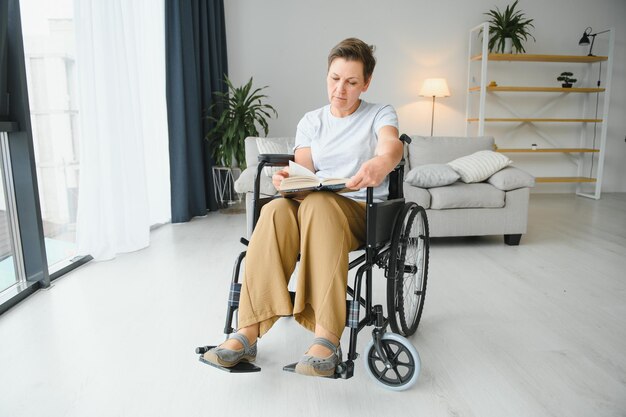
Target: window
(48, 31)
(10, 264)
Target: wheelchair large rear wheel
(408, 270)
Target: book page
(335, 181)
(299, 181)
(299, 170)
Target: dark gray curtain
(196, 65)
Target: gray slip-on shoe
(314, 366)
(228, 357)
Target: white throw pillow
(479, 166)
(274, 146)
(431, 175)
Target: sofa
(496, 206)
(245, 183)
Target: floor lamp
(434, 87)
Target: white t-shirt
(340, 145)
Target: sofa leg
(512, 240)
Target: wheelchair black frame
(377, 245)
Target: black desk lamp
(585, 39)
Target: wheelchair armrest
(275, 159)
(266, 160)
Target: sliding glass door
(48, 31)
(8, 266)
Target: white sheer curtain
(124, 180)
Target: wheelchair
(397, 241)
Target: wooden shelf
(541, 89)
(547, 150)
(564, 179)
(548, 108)
(542, 58)
(515, 119)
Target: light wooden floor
(535, 330)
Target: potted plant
(508, 29)
(237, 114)
(566, 79)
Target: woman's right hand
(278, 177)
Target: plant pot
(508, 45)
(566, 85)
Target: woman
(349, 138)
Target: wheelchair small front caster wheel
(404, 362)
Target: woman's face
(345, 83)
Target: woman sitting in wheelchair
(348, 138)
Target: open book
(302, 181)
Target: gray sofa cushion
(511, 178)
(417, 195)
(461, 195)
(431, 175)
(440, 150)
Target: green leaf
(243, 109)
(512, 24)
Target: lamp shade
(435, 87)
(584, 40)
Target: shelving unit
(533, 119)
(583, 153)
(578, 59)
(541, 89)
(553, 150)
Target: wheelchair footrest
(240, 368)
(292, 368)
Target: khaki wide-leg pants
(323, 228)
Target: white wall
(284, 44)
